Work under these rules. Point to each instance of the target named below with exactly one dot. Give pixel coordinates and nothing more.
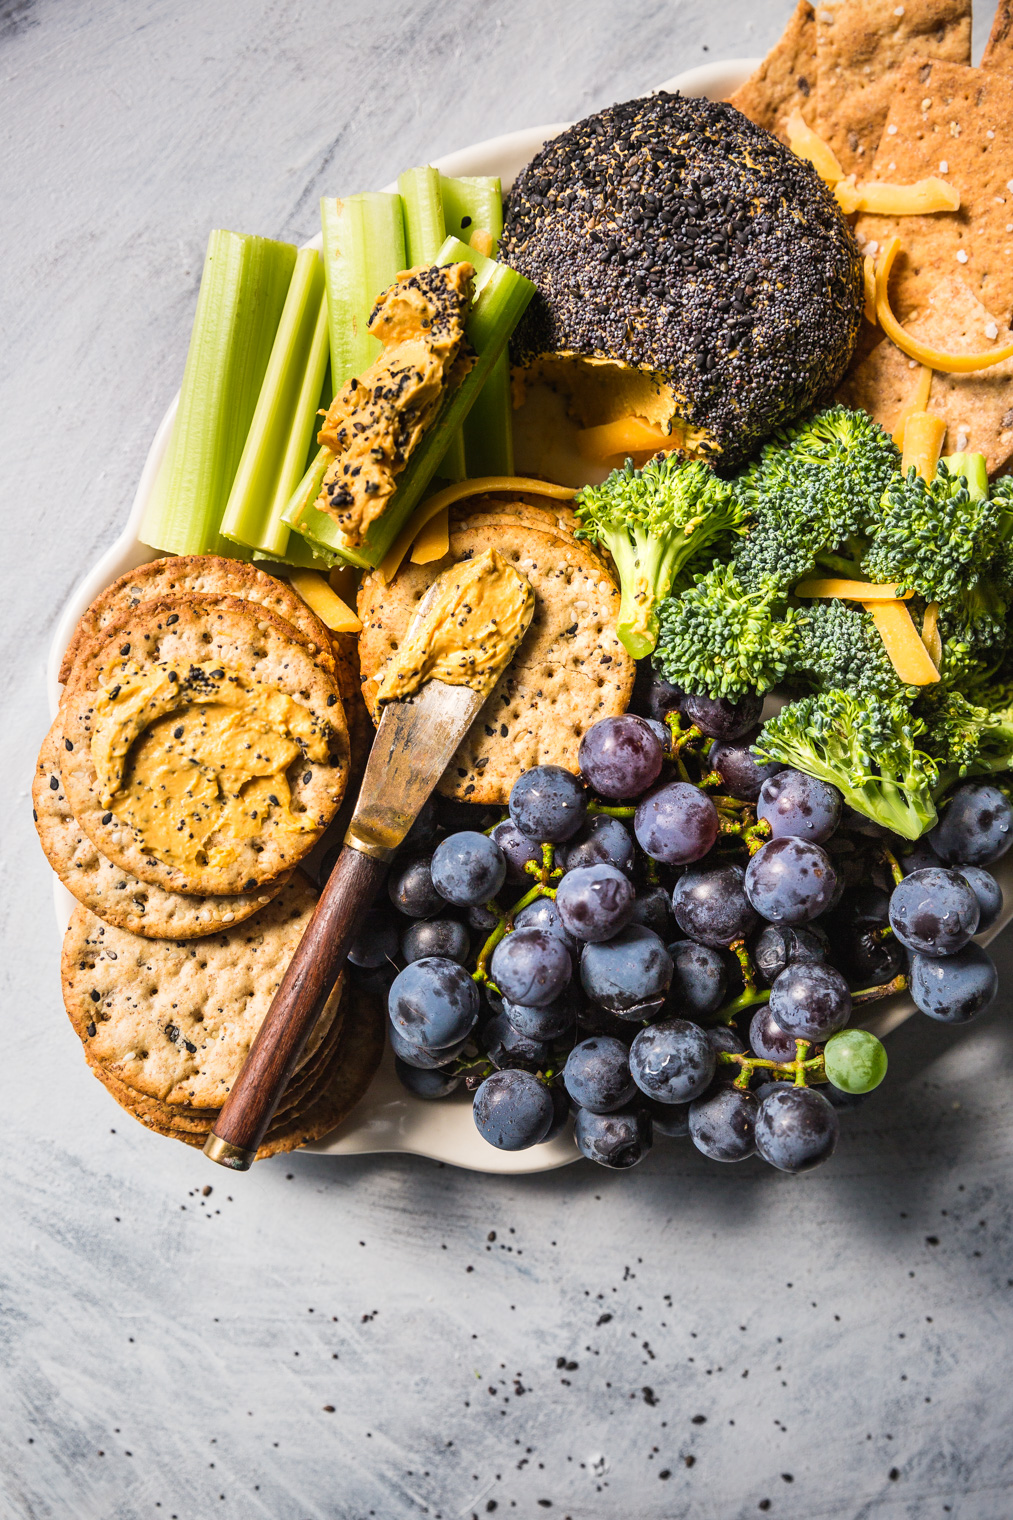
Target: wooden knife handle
(297, 1005)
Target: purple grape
(676, 824)
(421, 837)
(957, 988)
(768, 1040)
(434, 1003)
(653, 696)
(870, 960)
(988, 892)
(653, 909)
(547, 1023)
(518, 850)
(594, 902)
(810, 1001)
(423, 1060)
(662, 733)
(721, 718)
(531, 966)
(796, 1129)
(505, 1045)
(669, 1119)
(790, 881)
(468, 868)
(711, 906)
(597, 1075)
(776, 946)
(513, 1110)
(672, 1062)
(560, 1114)
(799, 806)
(548, 804)
(375, 944)
(722, 1123)
(742, 774)
(699, 980)
(410, 888)
(603, 841)
(430, 1085)
(723, 1037)
(934, 911)
(628, 975)
(435, 936)
(482, 920)
(620, 757)
(976, 826)
(616, 1140)
(917, 856)
(542, 914)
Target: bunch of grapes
(675, 942)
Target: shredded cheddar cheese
(948, 364)
(433, 541)
(923, 443)
(851, 591)
(805, 143)
(918, 403)
(930, 633)
(919, 199)
(630, 435)
(909, 656)
(325, 602)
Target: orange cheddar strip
(325, 602)
(920, 199)
(949, 364)
(805, 143)
(521, 484)
(908, 655)
(852, 591)
(923, 443)
(433, 541)
(918, 402)
(630, 435)
(930, 633)
(869, 279)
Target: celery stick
(283, 422)
(425, 234)
(473, 205)
(242, 294)
(364, 252)
(501, 296)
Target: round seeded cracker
(570, 670)
(174, 1020)
(111, 893)
(203, 575)
(239, 637)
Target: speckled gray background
(380, 1336)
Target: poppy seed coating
(674, 235)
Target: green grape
(855, 1060)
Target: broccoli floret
(947, 541)
(971, 740)
(722, 639)
(865, 746)
(814, 488)
(653, 522)
(840, 646)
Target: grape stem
(887, 989)
(744, 1000)
(741, 953)
(711, 778)
(893, 864)
(547, 872)
(610, 812)
(798, 1069)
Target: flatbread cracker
(570, 670)
(113, 894)
(204, 575)
(977, 408)
(860, 46)
(241, 637)
(963, 118)
(786, 79)
(998, 52)
(175, 1020)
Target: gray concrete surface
(388, 1337)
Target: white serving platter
(388, 1118)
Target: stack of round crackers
(169, 967)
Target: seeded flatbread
(786, 79)
(356, 1058)
(203, 575)
(239, 637)
(998, 52)
(860, 46)
(570, 670)
(113, 894)
(961, 118)
(175, 1019)
(546, 515)
(977, 408)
